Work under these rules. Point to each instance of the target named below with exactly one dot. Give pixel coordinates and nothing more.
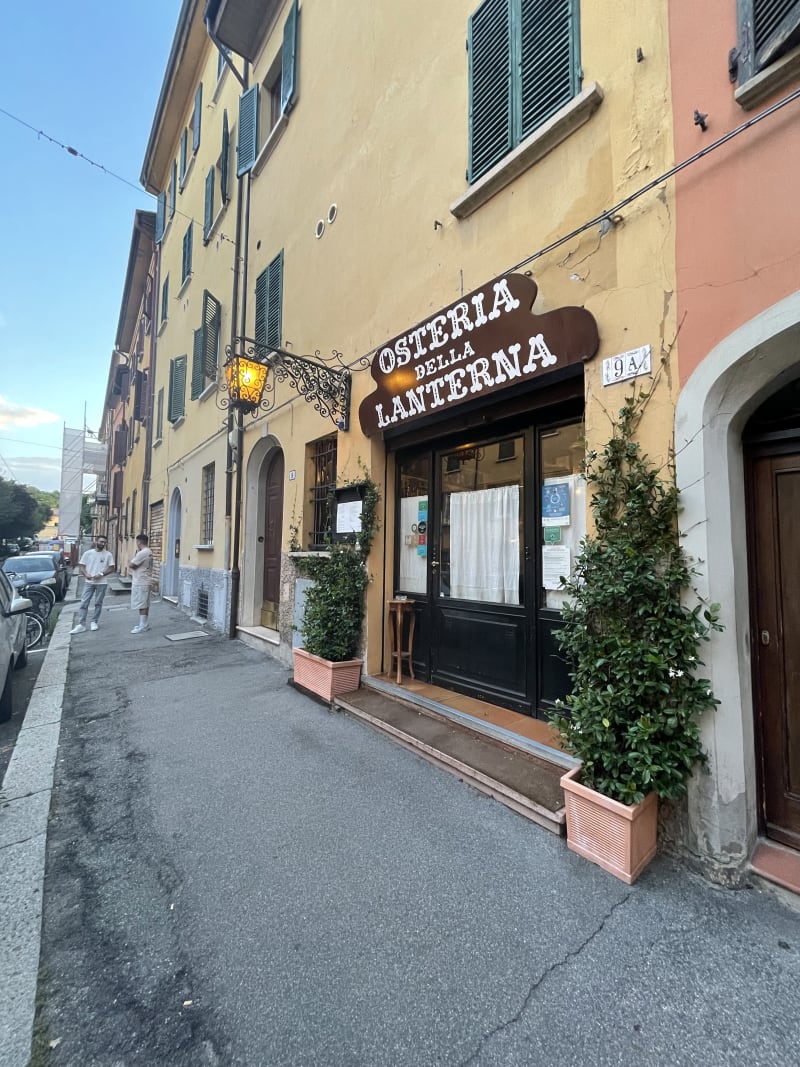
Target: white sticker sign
(626, 365)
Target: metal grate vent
(202, 603)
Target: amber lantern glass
(246, 380)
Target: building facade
(462, 234)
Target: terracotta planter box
(620, 838)
(325, 678)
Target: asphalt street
(236, 876)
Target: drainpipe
(237, 504)
(151, 392)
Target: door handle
(765, 637)
(434, 564)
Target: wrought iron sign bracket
(324, 385)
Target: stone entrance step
(526, 784)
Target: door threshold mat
(525, 783)
(187, 636)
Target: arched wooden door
(273, 526)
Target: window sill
(177, 422)
(162, 327)
(223, 77)
(268, 147)
(209, 389)
(323, 554)
(204, 548)
(760, 86)
(535, 147)
(157, 442)
(184, 285)
(215, 223)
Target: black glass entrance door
(482, 528)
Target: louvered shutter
(208, 216)
(177, 388)
(138, 390)
(776, 29)
(164, 299)
(223, 163)
(116, 490)
(160, 414)
(262, 285)
(211, 319)
(160, 216)
(173, 188)
(186, 268)
(548, 61)
(289, 61)
(490, 86)
(248, 131)
(184, 153)
(198, 375)
(274, 302)
(198, 113)
(120, 445)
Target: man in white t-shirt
(94, 565)
(140, 566)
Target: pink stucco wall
(738, 209)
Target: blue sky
(88, 75)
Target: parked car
(61, 562)
(13, 653)
(41, 569)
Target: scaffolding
(79, 456)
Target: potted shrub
(632, 645)
(328, 663)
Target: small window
(184, 157)
(164, 298)
(207, 506)
(221, 64)
(322, 472)
(176, 405)
(523, 67)
(160, 414)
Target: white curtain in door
(484, 545)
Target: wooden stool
(398, 609)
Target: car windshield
(28, 564)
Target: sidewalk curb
(24, 812)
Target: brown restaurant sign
(483, 343)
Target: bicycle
(34, 630)
(42, 597)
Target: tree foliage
(630, 639)
(24, 510)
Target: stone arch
(172, 563)
(714, 405)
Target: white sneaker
(94, 626)
(79, 629)
(140, 629)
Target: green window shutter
(490, 86)
(164, 299)
(223, 163)
(160, 414)
(186, 268)
(262, 284)
(211, 320)
(184, 153)
(548, 41)
(198, 370)
(173, 188)
(208, 216)
(274, 301)
(289, 62)
(177, 388)
(776, 29)
(247, 148)
(198, 114)
(160, 216)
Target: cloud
(12, 415)
(43, 472)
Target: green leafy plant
(334, 606)
(630, 640)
